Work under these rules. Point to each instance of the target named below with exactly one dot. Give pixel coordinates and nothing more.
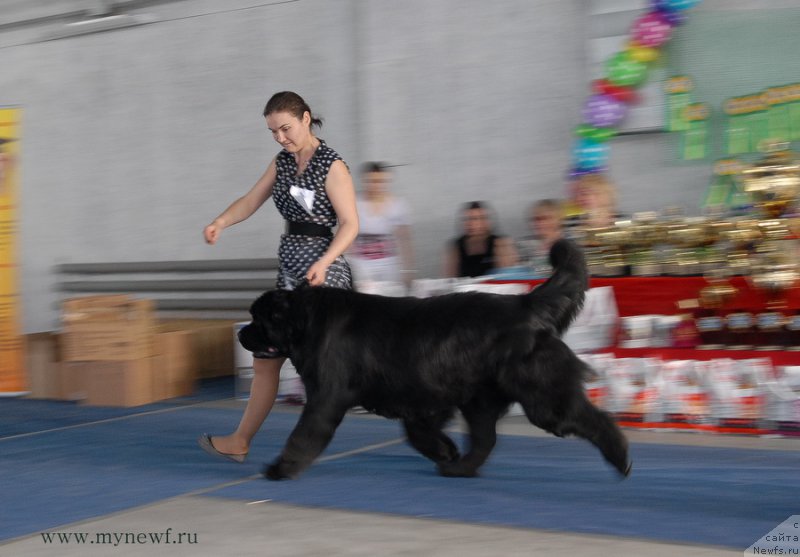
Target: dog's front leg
(309, 438)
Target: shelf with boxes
(746, 392)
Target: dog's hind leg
(313, 432)
(554, 400)
(596, 426)
(585, 420)
(481, 415)
(577, 416)
(425, 435)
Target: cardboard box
(73, 380)
(108, 328)
(174, 368)
(93, 304)
(109, 344)
(211, 345)
(42, 364)
(122, 383)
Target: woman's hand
(212, 231)
(316, 273)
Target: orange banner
(12, 360)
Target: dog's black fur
(419, 360)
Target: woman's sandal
(205, 443)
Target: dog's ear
(270, 302)
(302, 284)
(281, 302)
(259, 305)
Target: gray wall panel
(135, 139)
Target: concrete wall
(135, 139)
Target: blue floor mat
(19, 416)
(723, 497)
(726, 497)
(59, 477)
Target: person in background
(545, 222)
(594, 202)
(479, 250)
(383, 249)
(313, 191)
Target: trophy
(690, 237)
(646, 232)
(710, 318)
(738, 241)
(774, 279)
(604, 249)
(774, 184)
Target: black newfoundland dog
(418, 360)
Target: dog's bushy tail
(561, 296)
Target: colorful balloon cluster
(624, 72)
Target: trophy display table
(660, 295)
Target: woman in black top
(479, 250)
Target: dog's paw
(456, 470)
(276, 471)
(449, 453)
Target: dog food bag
(596, 386)
(634, 390)
(736, 391)
(636, 331)
(596, 324)
(783, 401)
(663, 329)
(686, 400)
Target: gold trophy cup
(774, 184)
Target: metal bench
(211, 289)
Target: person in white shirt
(382, 251)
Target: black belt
(308, 229)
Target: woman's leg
(263, 390)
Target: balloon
(622, 94)
(677, 5)
(590, 154)
(578, 172)
(651, 29)
(584, 130)
(602, 134)
(621, 69)
(601, 86)
(674, 18)
(642, 53)
(603, 111)
(598, 135)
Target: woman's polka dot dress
(295, 201)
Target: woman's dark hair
(288, 101)
(374, 166)
(483, 205)
(470, 205)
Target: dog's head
(269, 334)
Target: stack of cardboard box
(112, 351)
(108, 348)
